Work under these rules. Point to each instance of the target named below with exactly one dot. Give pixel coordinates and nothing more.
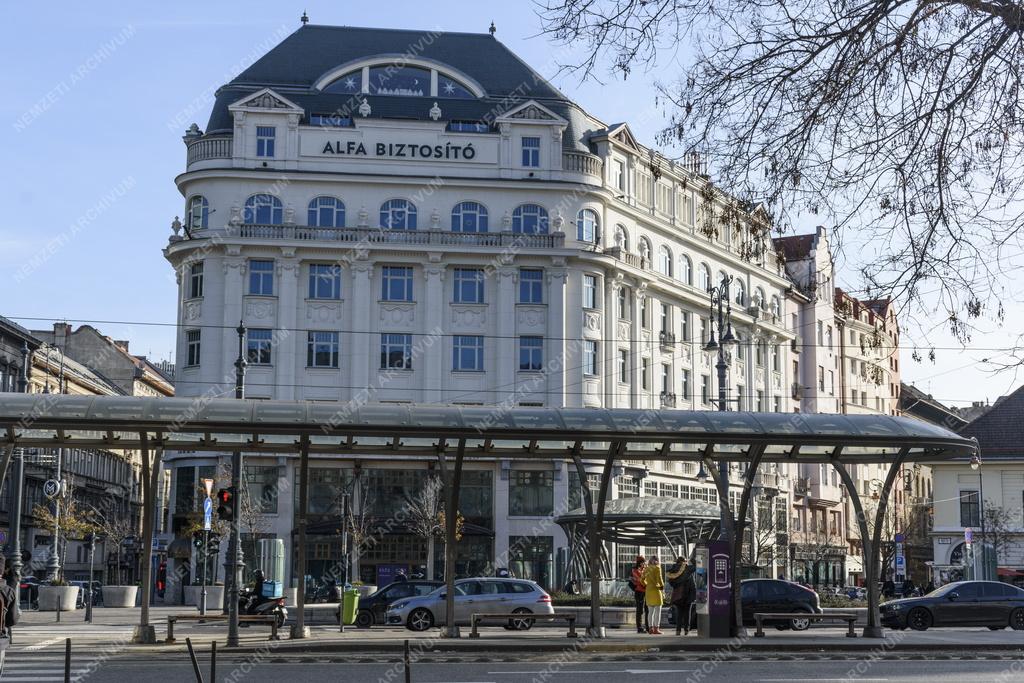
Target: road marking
(601, 671)
(43, 644)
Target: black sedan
(775, 595)
(963, 603)
(373, 608)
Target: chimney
(121, 344)
(61, 332)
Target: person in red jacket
(636, 582)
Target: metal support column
(299, 630)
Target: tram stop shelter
(674, 523)
(451, 435)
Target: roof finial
(305, 18)
(492, 29)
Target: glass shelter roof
(219, 425)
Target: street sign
(968, 535)
(208, 484)
(899, 538)
(51, 488)
(207, 514)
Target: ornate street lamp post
(721, 310)
(976, 466)
(234, 562)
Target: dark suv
(775, 595)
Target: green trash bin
(349, 605)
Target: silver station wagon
(516, 597)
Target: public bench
(269, 619)
(848, 617)
(505, 616)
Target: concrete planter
(50, 596)
(214, 596)
(120, 596)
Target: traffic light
(225, 503)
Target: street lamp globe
(702, 475)
(975, 462)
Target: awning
(1006, 571)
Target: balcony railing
(666, 339)
(580, 162)
(209, 148)
(668, 400)
(306, 233)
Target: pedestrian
(929, 587)
(674, 576)
(636, 582)
(8, 603)
(654, 594)
(684, 591)
(888, 588)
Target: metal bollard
(195, 662)
(213, 661)
(408, 673)
(67, 660)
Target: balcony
(667, 400)
(795, 344)
(797, 391)
(203, 149)
(440, 238)
(635, 260)
(802, 486)
(580, 162)
(667, 340)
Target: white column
(636, 347)
(363, 309)
(555, 356)
(607, 345)
(505, 312)
(432, 362)
(287, 307)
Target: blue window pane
(348, 84)
(265, 141)
(326, 212)
(531, 286)
(407, 81)
(263, 209)
(324, 281)
(530, 219)
(469, 217)
(396, 283)
(469, 286)
(449, 87)
(261, 278)
(531, 152)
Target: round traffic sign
(51, 488)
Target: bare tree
(74, 521)
(425, 510)
(899, 121)
(1001, 529)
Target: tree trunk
(431, 542)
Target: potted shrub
(57, 592)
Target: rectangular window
(322, 350)
(776, 366)
(760, 401)
(624, 366)
(831, 383)
(684, 326)
(777, 404)
(620, 176)
(590, 358)
(624, 303)
(684, 385)
(396, 283)
(467, 353)
(261, 278)
(629, 487)
(261, 487)
(645, 381)
(396, 351)
(589, 291)
(531, 286)
(195, 281)
(531, 152)
(703, 331)
(265, 141)
(705, 389)
(666, 378)
(469, 286)
(821, 333)
(821, 379)
(970, 509)
(531, 353)
(324, 281)
(531, 493)
(666, 318)
(258, 346)
(193, 342)
(740, 398)
(645, 319)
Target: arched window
(776, 308)
(686, 269)
(263, 209)
(530, 219)
(326, 212)
(469, 217)
(621, 237)
(704, 277)
(587, 226)
(739, 294)
(198, 212)
(398, 214)
(665, 260)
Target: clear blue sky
(97, 97)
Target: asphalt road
(237, 669)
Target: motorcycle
(327, 592)
(251, 602)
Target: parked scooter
(253, 601)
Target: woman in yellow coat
(654, 595)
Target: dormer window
(406, 80)
(265, 141)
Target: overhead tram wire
(803, 345)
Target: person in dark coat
(636, 582)
(9, 601)
(684, 592)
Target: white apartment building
(401, 216)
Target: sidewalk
(112, 625)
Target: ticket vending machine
(713, 577)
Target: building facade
(448, 228)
